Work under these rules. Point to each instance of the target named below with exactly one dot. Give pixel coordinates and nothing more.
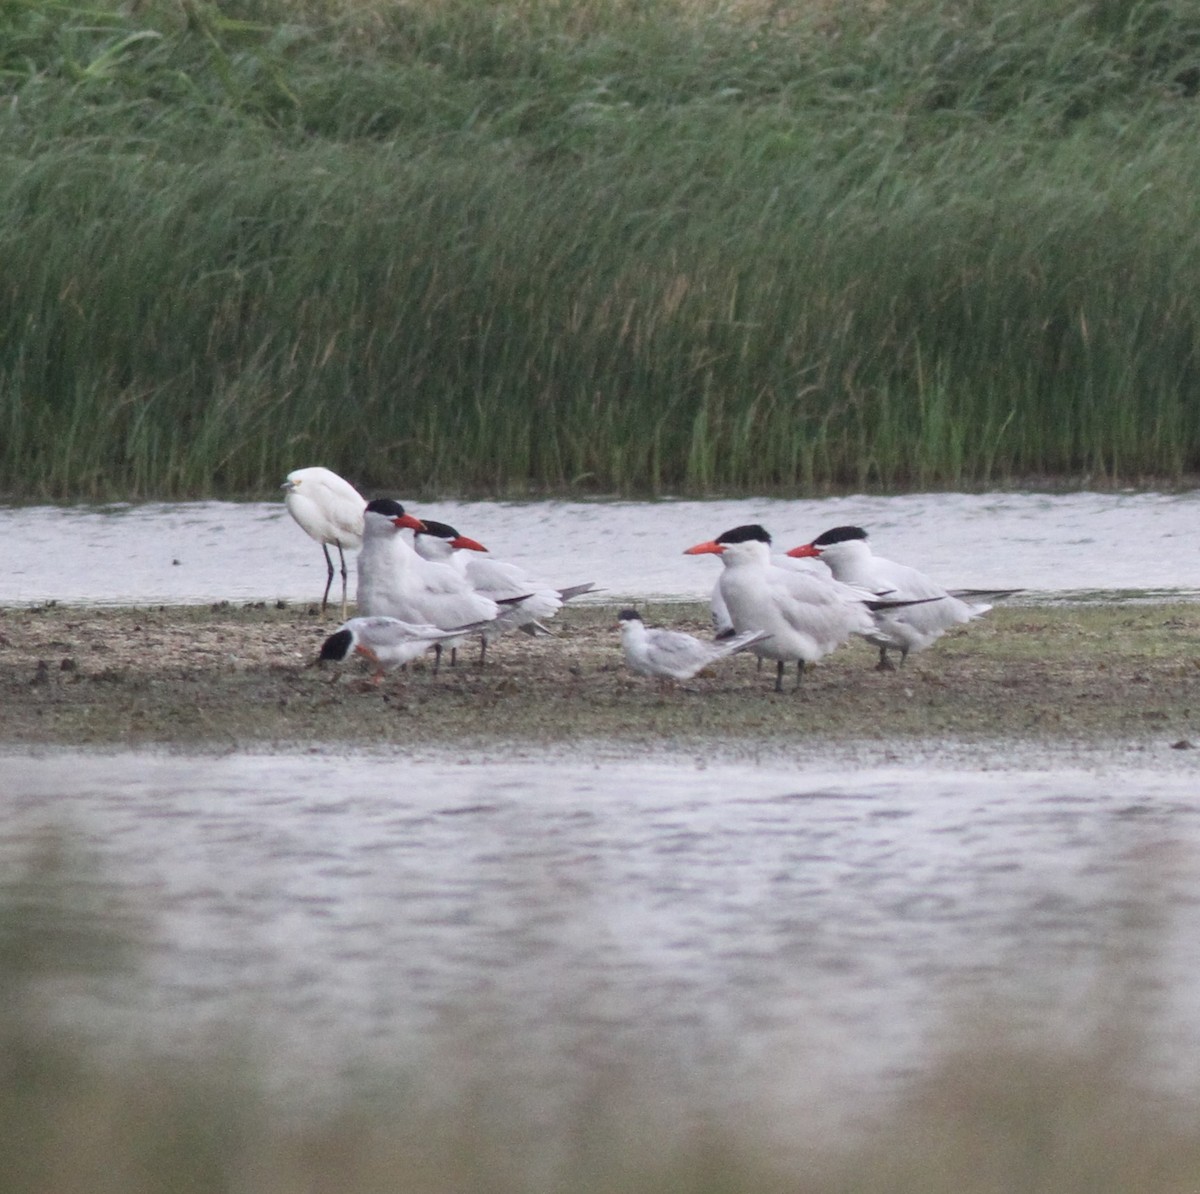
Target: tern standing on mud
(671, 654)
(530, 601)
(395, 582)
(913, 627)
(386, 642)
(805, 615)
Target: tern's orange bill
(407, 520)
(805, 552)
(467, 544)
(711, 547)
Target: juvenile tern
(672, 654)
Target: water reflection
(211, 551)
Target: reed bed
(611, 247)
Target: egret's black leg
(342, 557)
(437, 657)
(800, 665)
(328, 576)
(482, 649)
(884, 664)
(779, 676)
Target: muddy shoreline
(230, 677)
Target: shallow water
(789, 933)
(212, 551)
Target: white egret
(330, 510)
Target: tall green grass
(617, 246)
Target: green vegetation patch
(470, 247)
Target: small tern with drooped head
(386, 642)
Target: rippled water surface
(211, 551)
(799, 928)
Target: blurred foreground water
(787, 936)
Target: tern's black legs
(779, 667)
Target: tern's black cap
(439, 530)
(839, 535)
(387, 506)
(749, 533)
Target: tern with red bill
(395, 582)
(932, 610)
(805, 615)
(672, 655)
(530, 602)
(330, 510)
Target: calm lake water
(212, 551)
(792, 935)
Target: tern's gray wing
(576, 590)
(393, 632)
(983, 594)
(678, 654)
